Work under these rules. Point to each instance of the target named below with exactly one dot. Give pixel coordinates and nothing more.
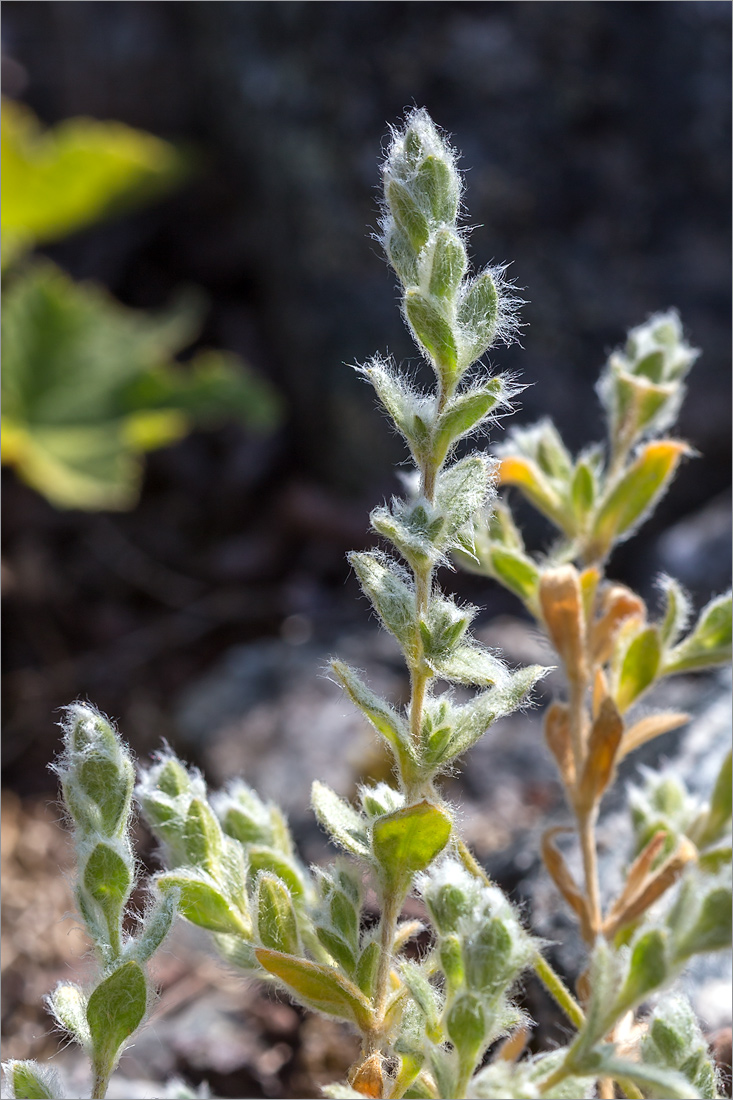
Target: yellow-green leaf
(318, 987)
(407, 841)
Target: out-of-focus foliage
(88, 385)
(59, 180)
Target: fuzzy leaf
(676, 610)
(425, 996)
(448, 264)
(708, 644)
(203, 902)
(277, 926)
(464, 412)
(340, 820)
(68, 1003)
(517, 572)
(470, 721)
(366, 968)
(634, 494)
(478, 315)
(156, 926)
(203, 838)
(536, 487)
(267, 859)
(108, 879)
(461, 491)
(434, 333)
(407, 841)
(318, 987)
(721, 805)
(115, 1009)
(392, 598)
(466, 1026)
(30, 1081)
(664, 1084)
(471, 664)
(711, 930)
(648, 970)
(407, 214)
(437, 187)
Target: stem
(101, 1081)
(391, 909)
(557, 989)
(587, 835)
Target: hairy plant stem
(101, 1081)
(586, 819)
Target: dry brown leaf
(557, 736)
(646, 729)
(560, 874)
(603, 742)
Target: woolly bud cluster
(453, 318)
(642, 386)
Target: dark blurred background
(596, 139)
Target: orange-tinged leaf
(638, 872)
(646, 729)
(557, 736)
(560, 873)
(603, 742)
(654, 887)
(368, 1078)
(632, 496)
(529, 478)
(318, 987)
(562, 609)
(618, 605)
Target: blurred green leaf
(708, 644)
(88, 384)
(639, 667)
(57, 181)
(318, 987)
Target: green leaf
(277, 926)
(382, 716)
(409, 410)
(443, 626)
(338, 949)
(87, 386)
(711, 930)
(466, 1026)
(464, 412)
(58, 180)
(203, 838)
(391, 596)
(676, 611)
(648, 970)
(708, 644)
(517, 572)
(115, 1010)
(203, 903)
(402, 255)
(319, 987)
(448, 264)
(478, 315)
(721, 805)
(633, 495)
(30, 1081)
(433, 331)
(407, 214)
(109, 784)
(367, 967)
(461, 491)
(340, 820)
(436, 186)
(664, 1084)
(68, 1003)
(407, 841)
(583, 491)
(639, 667)
(108, 879)
(469, 722)
(425, 996)
(471, 664)
(156, 926)
(267, 859)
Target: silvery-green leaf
(478, 315)
(27, 1080)
(342, 822)
(390, 593)
(277, 925)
